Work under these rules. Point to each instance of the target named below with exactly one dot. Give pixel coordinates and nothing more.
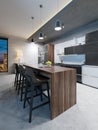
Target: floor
(82, 116)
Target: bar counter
(62, 88)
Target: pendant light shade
(32, 40)
(41, 36)
(58, 25)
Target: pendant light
(58, 22)
(32, 40)
(41, 35)
(58, 25)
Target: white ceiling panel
(15, 15)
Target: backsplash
(73, 59)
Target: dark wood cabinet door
(69, 50)
(91, 47)
(92, 58)
(79, 49)
(75, 50)
(92, 37)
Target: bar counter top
(50, 69)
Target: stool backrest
(30, 73)
(16, 68)
(22, 70)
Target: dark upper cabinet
(91, 51)
(75, 50)
(91, 58)
(68, 50)
(79, 49)
(91, 47)
(92, 37)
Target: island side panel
(57, 94)
(73, 88)
(69, 89)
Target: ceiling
(77, 14)
(15, 15)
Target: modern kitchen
(63, 51)
(81, 55)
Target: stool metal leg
(31, 106)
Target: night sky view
(3, 48)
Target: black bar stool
(32, 83)
(17, 74)
(22, 84)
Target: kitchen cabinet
(91, 51)
(74, 50)
(69, 50)
(92, 37)
(90, 75)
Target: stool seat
(41, 78)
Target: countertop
(52, 69)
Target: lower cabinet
(90, 75)
(78, 71)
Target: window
(3, 55)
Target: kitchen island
(62, 87)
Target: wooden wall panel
(51, 52)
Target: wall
(59, 49)
(42, 53)
(19, 51)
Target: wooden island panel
(70, 89)
(57, 97)
(63, 91)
